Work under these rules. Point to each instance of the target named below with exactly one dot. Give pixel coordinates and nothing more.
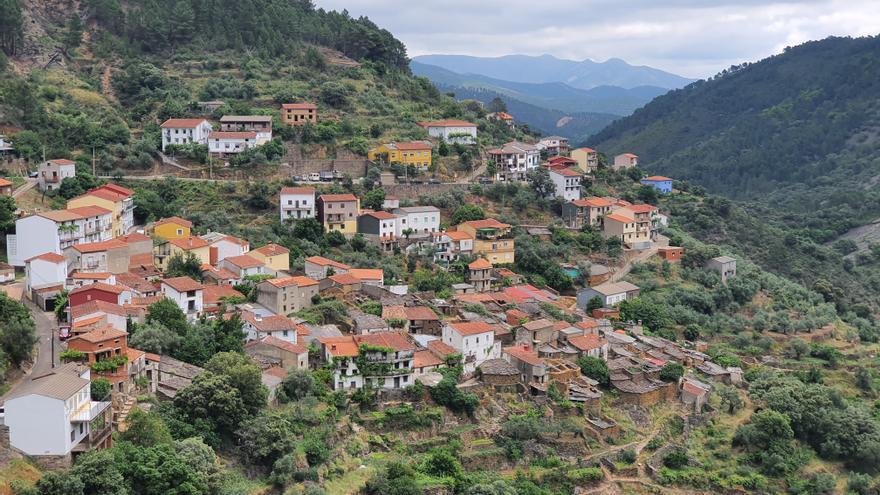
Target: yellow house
(273, 256)
(586, 158)
(195, 245)
(415, 153)
(172, 228)
(492, 239)
(118, 199)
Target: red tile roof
(441, 349)
(102, 334)
(381, 215)
(393, 340)
(337, 197)
(62, 161)
(367, 273)
(94, 247)
(344, 346)
(133, 237)
(191, 242)
(243, 261)
(89, 211)
(175, 220)
(299, 106)
(394, 312)
(322, 261)
(298, 281)
(182, 284)
(592, 202)
(4, 182)
(641, 208)
(423, 359)
(113, 289)
(457, 235)
(471, 328)
(480, 264)
(298, 190)
(96, 307)
(587, 342)
(657, 178)
(50, 257)
(213, 293)
(345, 279)
(91, 276)
(413, 145)
(280, 344)
(618, 218)
(420, 313)
(525, 354)
(181, 123)
(272, 323)
(566, 172)
(272, 250)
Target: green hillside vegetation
(152, 61)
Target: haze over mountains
(556, 96)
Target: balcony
(87, 413)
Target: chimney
(258, 317)
(332, 347)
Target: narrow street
(46, 331)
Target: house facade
(492, 239)
(319, 268)
(261, 125)
(298, 114)
(275, 257)
(339, 212)
(724, 265)
(287, 295)
(555, 145)
(119, 200)
(297, 202)
(663, 185)
(475, 341)
(450, 245)
(228, 142)
(381, 227)
(624, 161)
(54, 415)
(452, 131)
(414, 153)
(185, 131)
(172, 228)
(381, 360)
(51, 172)
(514, 160)
(582, 212)
(419, 219)
(610, 293)
(587, 159)
(54, 230)
(186, 293)
(567, 183)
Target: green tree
(593, 304)
(184, 266)
(266, 438)
(17, 332)
(497, 105)
(374, 199)
(59, 483)
(100, 389)
(10, 26)
(729, 396)
(440, 463)
(166, 313)
(99, 473)
(595, 368)
(467, 213)
(297, 385)
(73, 32)
(7, 214)
(213, 398)
(395, 479)
(155, 338)
(145, 429)
(309, 229)
(540, 182)
(244, 375)
(671, 372)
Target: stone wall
(413, 191)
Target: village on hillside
(103, 276)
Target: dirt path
(27, 186)
(624, 270)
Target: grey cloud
(694, 38)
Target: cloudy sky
(694, 38)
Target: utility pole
(93, 162)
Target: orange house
(671, 254)
(297, 114)
(103, 344)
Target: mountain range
(555, 96)
(585, 74)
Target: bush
(676, 459)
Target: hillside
(575, 126)
(552, 95)
(585, 74)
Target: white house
(54, 414)
(450, 245)
(567, 182)
(5, 144)
(45, 270)
(244, 266)
(223, 246)
(555, 145)
(51, 172)
(297, 202)
(258, 326)
(185, 131)
(625, 160)
(52, 231)
(474, 340)
(261, 125)
(610, 293)
(231, 142)
(421, 219)
(318, 267)
(452, 131)
(514, 160)
(186, 293)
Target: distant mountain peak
(546, 68)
